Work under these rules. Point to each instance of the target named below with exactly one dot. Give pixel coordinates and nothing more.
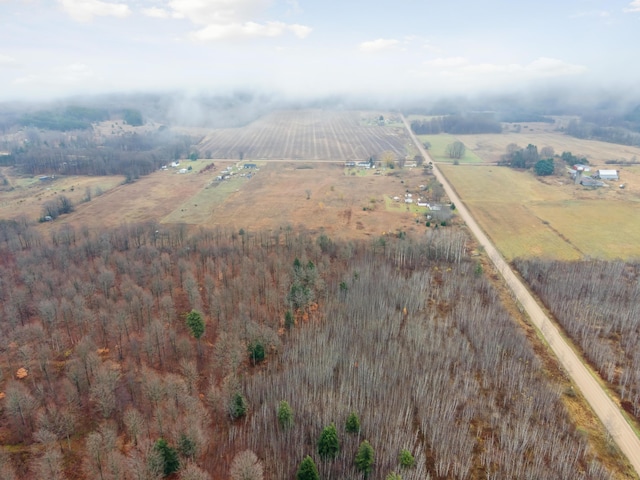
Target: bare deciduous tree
(246, 466)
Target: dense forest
(132, 154)
(606, 133)
(597, 303)
(149, 351)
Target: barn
(608, 174)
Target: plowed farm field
(309, 135)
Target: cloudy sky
(52, 48)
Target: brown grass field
(551, 217)
(342, 203)
(26, 195)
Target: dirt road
(602, 404)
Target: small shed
(608, 174)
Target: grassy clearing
(198, 208)
(394, 206)
(438, 150)
(526, 217)
(601, 229)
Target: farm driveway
(602, 404)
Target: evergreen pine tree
(328, 444)
(353, 423)
(308, 470)
(365, 458)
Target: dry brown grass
(551, 217)
(28, 194)
(275, 197)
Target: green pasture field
(392, 206)
(526, 217)
(199, 207)
(438, 150)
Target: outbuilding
(607, 175)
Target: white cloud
(541, 67)
(592, 13)
(379, 45)
(447, 62)
(633, 7)
(432, 48)
(246, 30)
(66, 75)
(85, 10)
(74, 73)
(7, 61)
(156, 12)
(457, 73)
(206, 12)
(231, 19)
(552, 67)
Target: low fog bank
(238, 108)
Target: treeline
(596, 302)
(75, 117)
(133, 155)
(457, 125)
(613, 134)
(521, 116)
(147, 351)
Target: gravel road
(604, 407)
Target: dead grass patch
(553, 218)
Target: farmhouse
(250, 165)
(607, 174)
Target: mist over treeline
(98, 135)
(237, 108)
